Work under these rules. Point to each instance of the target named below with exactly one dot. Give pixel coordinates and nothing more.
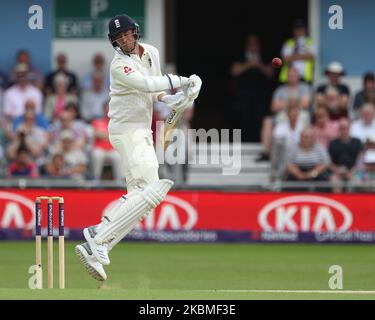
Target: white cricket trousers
(138, 157)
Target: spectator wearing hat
(334, 95)
(344, 152)
(34, 76)
(367, 94)
(365, 169)
(50, 85)
(364, 127)
(15, 97)
(298, 52)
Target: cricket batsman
(135, 83)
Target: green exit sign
(89, 18)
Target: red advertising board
(208, 211)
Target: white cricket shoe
(92, 265)
(99, 251)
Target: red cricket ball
(276, 62)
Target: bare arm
(305, 102)
(239, 68)
(295, 171)
(278, 105)
(298, 56)
(320, 168)
(335, 169)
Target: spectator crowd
(55, 125)
(312, 132)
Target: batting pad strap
(134, 209)
(115, 211)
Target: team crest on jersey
(128, 70)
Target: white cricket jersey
(135, 84)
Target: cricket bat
(174, 117)
(170, 124)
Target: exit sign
(89, 18)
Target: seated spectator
(309, 161)
(41, 120)
(365, 125)
(61, 61)
(331, 104)
(289, 94)
(98, 63)
(286, 136)
(67, 121)
(56, 102)
(32, 137)
(22, 166)
(290, 130)
(103, 151)
(334, 94)
(79, 124)
(93, 99)
(34, 76)
(296, 90)
(344, 152)
(74, 157)
(365, 169)
(325, 130)
(5, 136)
(16, 96)
(367, 94)
(56, 167)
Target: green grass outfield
(199, 271)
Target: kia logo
(305, 213)
(173, 213)
(13, 213)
